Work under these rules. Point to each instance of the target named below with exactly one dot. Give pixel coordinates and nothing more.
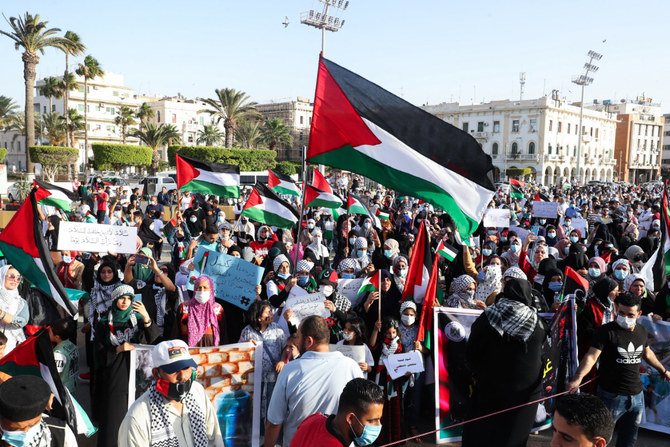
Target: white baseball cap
(172, 356)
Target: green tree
(210, 135)
(74, 122)
(230, 106)
(53, 158)
(275, 133)
(17, 123)
(124, 118)
(69, 82)
(248, 133)
(55, 128)
(51, 89)
(118, 156)
(32, 35)
(144, 114)
(89, 69)
(7, 109)
(156, 136)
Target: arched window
(515, 148)
(531, 148)
(494, 149)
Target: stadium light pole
(583, 81)
(323, 21)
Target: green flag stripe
(267, 218)
(211, 188)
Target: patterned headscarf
(347, 263)
(515, 272)
(630, 279)
(460, 284)
(393, 245)
(304, 266)
(201, 316)
(492, 282)
(459, 297)
(361, 243)
(278, 261)
(407, 304)
(622, 261)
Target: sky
(427, 51)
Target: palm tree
(124, 118)
(144, 114)
(51, 89)
(248, 133)
(89, 69)
(275, 133)
(210, 135)
(230, 106)
(74, 122)
(75, 49)
(31, 34)
(55, 128)
(7, 109)
(156, 136)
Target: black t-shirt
(620, 359)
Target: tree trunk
(155, 159)
(228, 126)
(66, 93)
(86, 169)
(123, 134)
(30, 61)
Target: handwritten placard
(235, 279)
(580, 224)
(97, 238)
(397, 365)
(349, 288)
(547, 210)
(354, 352)
(521, 232)
(496, 218)
(305, 305)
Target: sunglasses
(14, 277)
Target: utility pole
(323, 21)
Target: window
(496, 126)
(560, 126)
(480, 126)
(174, 118)
(531, 148)
(551, 125)
(591, 131)
(597, 132)
(533, 124)
(202, 120)
(494, 149)
(515, 125)
(466, 127)
(666, 133)
(301, 119)
(574, 151)
(569, 125)
(515, 148)
(646, 130)
(549, 148)
(158, 116)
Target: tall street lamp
(324, 21)
(583, 81)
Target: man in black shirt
(621, 345)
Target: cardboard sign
(496, 218)
(305, 305)
(349, 288)
(580, 224)
(547, 210)
(235, 279)
(521, 232)
(97, 238)
(397, 365)
(356, 353)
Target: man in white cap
(175, 411)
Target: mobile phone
(140, 259)
(137, 297)
(535, 230)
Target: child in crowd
(66, 354)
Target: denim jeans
(627, 413)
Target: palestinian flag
(360, 127)
(381, 214)
(429, 302)
(541, 197)
(320, 182)
(282, 184)
(370, 284)
(657, 268)
(316, 198)
(59, 197)
(24, 247)
(420, 266)
(35, 357)
(446, 251)
(266, 207)
(355, 206)
(208, 177)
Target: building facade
(639, 138)
(665, 158)
(297, 115)
(536, 139)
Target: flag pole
(379, 300)
(302, 207)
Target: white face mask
(403, 272)
(327, 290)
(67, 259)
(408, 320)
(626, 322)
(202, 296)
(348, 336)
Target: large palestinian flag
(355, 206)
(317, 198)
(282, 184)
(57, 196)
(207, 177)
(24, 247)
(420, 267)
(266, 207)
(360, 127)
(657, 269)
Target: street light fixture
(324, 21)
(583, 81)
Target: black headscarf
(602, 289)
(517, 289)
(115, 268)
(576, 258)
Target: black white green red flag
(24, 246)
(207, 177)
(57, 196)
(657, 269)
(316, 198)
(282, 184)
(446, 251)
(355, 206)
(420, 266)
(266, 207)
(360, 127)
(320, 182)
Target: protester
(14, 311)
(200, 320)
(66, 353)
(581, 420)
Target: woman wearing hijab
(462, 294)
(338, 305)
(621, 269)
(636, 256)
(551, 286)
(200, 320)
(148, 237)
(390, 301)
(304, 277)
(597, 270)
(635, 284)
(124, 323)
(399, 269)
(317, 251)
(106, 280)
(69, 270)
(563, 247)
(360, 253)
(385, 258)
(576, 259)
(14, 312)
(489, 284)
(504, 352)
(279, 282)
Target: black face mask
(174, 391)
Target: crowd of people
(605, 233)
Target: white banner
(547, 210)
(398, 365)
(354, 352)
(97, 238)
(496, 218)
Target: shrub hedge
(108, 156)
(53, 155)
(247, 159)
(3, 154)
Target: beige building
(297, 114)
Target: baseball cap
(172, 356)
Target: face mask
(67, 259)
(367, 225)
(625, 322)
(220, 218)
(303, 280)
(193, 219)
(348, 275)
(352, 240)
(369, 435)
(503, 239)
(555, 286)
(620, 274)
(388, 253)
(551, 235)
(403, 272)
(174, 391)
(117, 214)
(361, 253)
(542, 221)
(491, 232)
(574, 239)
(327, 290)
(515, 248)
(348, 336)
(594, 272)
(487, 252)
(202, 296)
(408, 320)
(566, 250)
(310, 226)
(567, 224)
(283, 275)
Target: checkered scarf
(513, 318)
(162, 434)
(44, 433)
